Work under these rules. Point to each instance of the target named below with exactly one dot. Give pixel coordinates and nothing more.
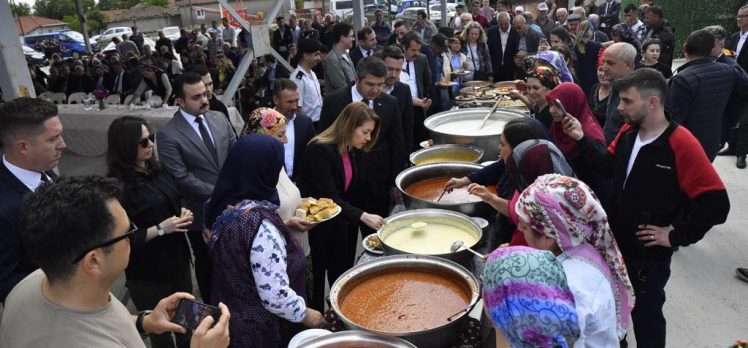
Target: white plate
(424, 144)
(487, 163)
(338, 209)
(306, 335)
(373, 251)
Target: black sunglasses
(130, 235)
(147, 141)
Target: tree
(95, 20)
(162, 3)
(21, 9)
(58, 9)
(106, 5)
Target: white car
(107, 35)
(171, 33)
(436, 13)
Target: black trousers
(420, 133)
(203, 265)
(146, 294)
(333, 249)
(649, 278)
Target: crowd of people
(609, 174)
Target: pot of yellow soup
(430, 232)
(447, 153)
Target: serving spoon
(459, 244)
(495, 106)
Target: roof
(142, 11)
(112, 13)
(30, 23)
(198, 2)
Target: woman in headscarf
(586, 49)
(539, 82)
(575, 102)
(562, 215)
(621, 32)
(259, 268)
(555, 60)
(526, 155)
(525, 292)
(329, 169)
(273, 123)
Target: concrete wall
(150, 25)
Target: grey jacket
(339, 72)
(184, 155)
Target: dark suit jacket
(127, 83)
(187, 159)
(532, 40)
(732, 44)
(324, 176)
(503, 69)
(612, 18)
(401, 91)
(383, 162)
(15, 261)
(303, 132)
(356, 55)
(423, 75)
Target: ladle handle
(495, 106)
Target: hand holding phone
(190, 313)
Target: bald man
(618, 62)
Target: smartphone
(560, 106)
(190, 313)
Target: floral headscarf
(567, 210)
(527, 296)
(264, 121)
(548, 76)
(555, 59)
(586, 33)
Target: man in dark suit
(738, 41)
(529, 39)
(214, 104)
(393, 58)
(609, 13)
(31, 135)
(379, 166)
(502, 46)
(193, 147)
(282, 37)
(117, 81)
(420, 83)
(300, 128)
(367, 42)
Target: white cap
(542, 7)
(519, 9)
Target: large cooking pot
(415, 174)
(441, 336)
(460, 127)
(357, 339)
(431, 216)
(447, 153)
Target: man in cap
(545, 23)
(310, 91)
(573, 22)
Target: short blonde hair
(466, 32)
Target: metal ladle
(495, 106)
(459, 244)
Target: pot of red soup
(406, 296)
(430, 232)
(422, 185)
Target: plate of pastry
(317, 210)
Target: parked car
(409, 15)
(33, 56)
(436, 13)
(172, 33)
(108, 34)
(71, 42)
(111, 47)
(402, 5)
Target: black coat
(612, 18)
(697, 97)
(401, 91)
(386, 159)
(667, 39)
(15, 261)
(732, 44)
(503, 69)
(303, 132)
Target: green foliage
(58, 9)
(106, 5)
(20, 9)
(162, 3)
(95, 20)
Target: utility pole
(82, 19)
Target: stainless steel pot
(354, 338)
(428, 155)
(415, 174)
(441, 336)
(489, 142)
(429, 216)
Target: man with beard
(393, 57)
(665, 193)
(193, 147)
(309, 88)
(214, 103)
(299, 128)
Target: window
(200, 14)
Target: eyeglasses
(147, 141)
(130, 235)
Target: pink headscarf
(567, 210)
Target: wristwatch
(139, 322)
(160, 230)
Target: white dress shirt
(741, 43)
(289, 146)
(191, 121)
(409, 68)
(365, 53)
(595, 304)
(310, 93)
(357, 97)
(29, 178)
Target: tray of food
(464, 98)
(372, 244)
(445, 84)
(504, 87)
(317, 210)
(477, 84)
(460, 72)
